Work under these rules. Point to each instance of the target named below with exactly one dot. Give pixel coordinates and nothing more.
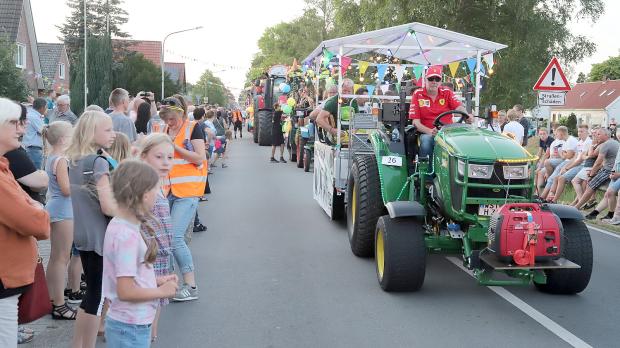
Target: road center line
(603, 231)
(527, 309)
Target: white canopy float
(416, 43)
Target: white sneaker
(611, 221)
(186, 293)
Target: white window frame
(61, 71)
(20, 48)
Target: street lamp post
(163, 44)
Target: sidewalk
(50, 332)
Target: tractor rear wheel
(255, 128)
(265, 122)
(400, 254)
(307, 158)
(576, 247)
(365, 204)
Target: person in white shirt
(555, 157)
(571, 152)
(513, 128)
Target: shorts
(92, 264)
(119, 334)
(614, 186)
(583, 173)
(555, 173)
(601, 178)
(238, 126)
(554, 162)
(571, 173)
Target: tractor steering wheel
(438, 123)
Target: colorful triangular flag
(454, 66)
(381, 70)
(399, 71)
(488, 58)
(344, 64)
(356, 87)
(327, 57)
(417, 71)
(384, 88)
(371, 89)
(471, 64)
(363, 66)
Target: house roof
(176, 71)
(49, 56)
(10, 14)
(151, 50)
(592, 95)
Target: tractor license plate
(488, 209)
(396, 161)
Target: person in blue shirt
(33, 140)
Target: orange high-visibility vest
(186, 179)
(237, 116)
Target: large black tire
(576, 247)
(265, 126)
(365, 204)
(300, 152)
(255, 128)
(400, 254)
(307, 158)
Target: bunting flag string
(399, 72)
(371, 89)
(384, 88)
(344, 62)
(488, 58)
(363, 66)
(453, 68)
(417, 71)
(471, 64)
(381, 70)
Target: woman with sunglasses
(186, 184)
(427, 103)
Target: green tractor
(473, 197)
(263, 104)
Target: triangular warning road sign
(553, 78)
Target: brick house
(151, 50)
(54, 67)
(17, 24)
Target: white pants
(8, 322)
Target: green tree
(571, 124)
(12, 83)
(136, 73)
(609, 69)
(581, 78)
(211, 86)
(99, 74)
(104, 17)
(282, 43)
(534, 30)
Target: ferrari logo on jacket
(442, 102)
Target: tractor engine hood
(480, 144)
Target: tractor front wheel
(307, 158)
(576, 247)
(400, 254)
(364, 205)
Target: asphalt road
(273, 271)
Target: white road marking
(529, 310)
(603, 231)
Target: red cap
(435, 70)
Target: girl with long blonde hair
(92, 201)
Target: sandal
(60, 312)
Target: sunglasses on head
(434, 79)
(172, 103)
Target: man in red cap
(427, 103)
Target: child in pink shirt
(129, 280)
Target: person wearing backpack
(220, 138)
(92, 201)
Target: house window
(61, 71)
(20, 56)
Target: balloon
(284, 88)
(310, 73)
(291, 102)
(250, 109)
(282, 100)
(287, 109)
(281, 86)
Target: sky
(232, 29)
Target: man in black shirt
(524, 122)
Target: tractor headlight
(476, 171)
(515, 172)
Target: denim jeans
(8, 322)
(121, 335)
(182, 213)
(36, 156)
(427, 143)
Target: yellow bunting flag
(453, 68)
(356, 87)
(363, 66)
